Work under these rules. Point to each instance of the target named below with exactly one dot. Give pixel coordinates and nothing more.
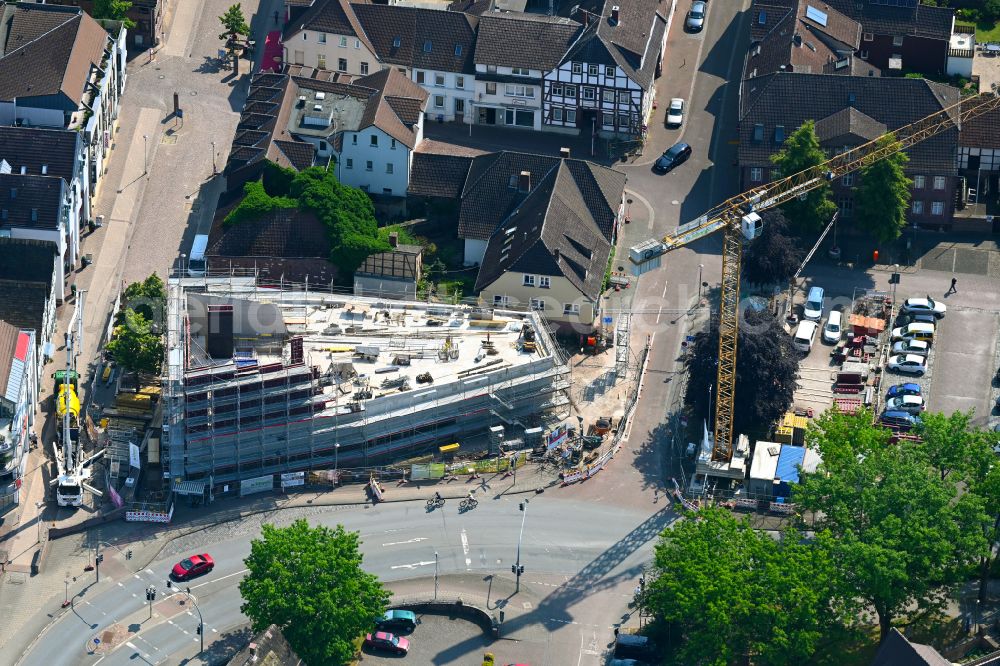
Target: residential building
(897, 650)
(514, 52)
(551, 252)
(979, 170)
(60, 68)
(328, 36)
(605, 83)
(392, 274)
(850, 111)
(146, 14)
(480, 7)
(19, 369)
(433, 48)
(261, 382)
(29, 290)
(369, 128)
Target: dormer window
(396, 42)
(458, 49)
(758, 132)
(427, 46)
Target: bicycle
(434, 503)
(468, 503)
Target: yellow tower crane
(738, 217)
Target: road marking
(664, 294)
(120, 584)
(137, 576)
(412, 566)
(465, 548)
(400, 543)
(659, 313)
(150, 571)
(216, 580)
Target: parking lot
(434, 642)
(964, 362)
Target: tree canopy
(134, 345)
(882, 198)
(116, 10)
(773, 257)
(766, 365)
(234, 24)
(148, 298)
(309, 581)
(800, 151)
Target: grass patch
(607, 271)
(987, 31)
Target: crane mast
(738, 217)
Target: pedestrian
(953, 289)
(616, 633)
(276, 17)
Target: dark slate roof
(982, 131)
(33, 147)
(918, 21)
(451, 36)
(331, 16)
(563, 227)
(895, 650)
(849, 121)
(300, 154)
(790, 99)
(395, 106)
(632, 43)
(488, 198)
(524, 40)
(26, 260)
(22, 197)
(47, 50)
(471, 7)
(434, 175)
(398, 265)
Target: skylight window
(816, 15)
(458, 49)
(427, 46)
(758, 132)
(396, 42)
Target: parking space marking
(400, 543)
(412, 566)
(465, 548)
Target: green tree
(949, 445)
(902, 533)
(883, 195)
(773, 257)
(235, 24)
(256, 203)
(309, 582)
(134, 345)
(735, 594)
(801, 151)
(766, 366)
(116, 10)
(148, 298)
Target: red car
(382, 640)
(196, 565)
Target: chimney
(555, 253)
(524, 182)
(394, 239)
(614, 15)
(564, 153)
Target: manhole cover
(169, 139)
(527, 605)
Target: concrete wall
(561, 292)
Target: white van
(196, 263)
(833, 329)
(804, 336)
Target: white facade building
(376, 162)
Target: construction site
(264, 381)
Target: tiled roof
(790, 99)
(489, 197)
(471, 7)
(398, 265)
(33, 147)
(849, 121)
(300, 154)
(25, 197)
(524, 40)
(47, 50)
(919, 21)
(449, 36)
(285, 233)
(435, 175)
(895, 650)
(26, 261)
(982, 131)
(331, 16)
(563, 227)
(404, 101)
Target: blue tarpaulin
(787, 472)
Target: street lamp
(895, 280)
(516, 568)
(435, 575)
(145, 140)
(701, 267)
(38, 519)
(215, 171)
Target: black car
(677, 154)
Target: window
(557, 113)
(499, 301)
(369, 166)
(322, 38)
(428, 46)
(588, 93)
(571, 308)
(519, 118)
(396, 42)
(348, 163)
(609, 96)
(321, 61)
(528, 280)
(624, 97)
(538, 304)
(848, 179)
(544, 281)
(343, 42)
(342, 64)
(623, 120)
(897, 40)
(354, 139)
(491, 88)
(460, 82)
(869, 37)
(557, 89)
(937, 208)
(577, 68)
(392, 144)
(458, 49)
(919, 182)
(938, 182)
(388, 168)
(779, 134)
(439, 79)
(918, 207)
(863, 54)
(775, 174)
(304, 36)
(517, 90)
(609, 71)
(592, 70)
(374, 141)
(491, 68)
(570, 91)
(846, 206)
(758, 132)
(364, 68)
(520, 71)
(420, 76)
(608, 119)
(756, 174)
(323, 146)
(438, 101)
(387, 190)
(357, 43)
(571, 116)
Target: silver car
(695, 20)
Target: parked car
(633, 646)
(913, 404)
(814, 304)
(903, 389)
(832, 331)
(925, 305)
(695, 20)
(672, 158)
(918, 347)
(675, 112)
(804, 336)
(191, 567)
(908, 363)
(898, 419)
(904, 318)
(914, 331)
(401, 620)
(382, 640)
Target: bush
(256, 204)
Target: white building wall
(525, 96)
(326, 50)
(449, 92)
(475, 250)
(357, 153)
